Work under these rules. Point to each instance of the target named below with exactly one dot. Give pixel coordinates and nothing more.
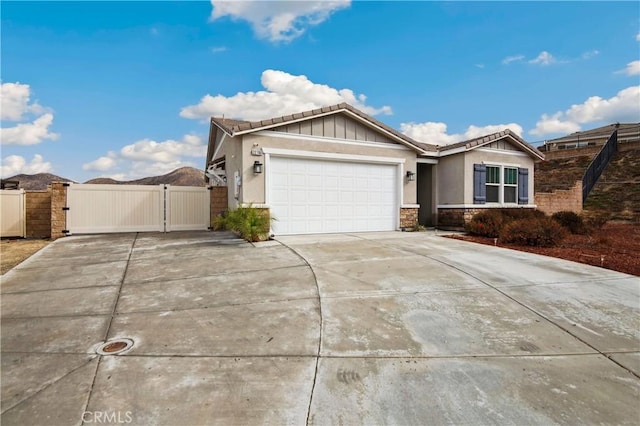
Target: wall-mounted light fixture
(411, 176)
(257, 167)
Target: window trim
(502, 185)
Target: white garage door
(317, 196)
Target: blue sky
(125, 89)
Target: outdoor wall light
(411, 176)
(257, 167)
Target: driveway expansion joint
(319, 298)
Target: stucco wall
(450, 179)
(232, 151)
(253, 190)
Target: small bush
(487, 223)
(571, 221)
(514, 214)
(249, 223)
(539, 232)
(597, 220)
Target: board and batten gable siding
(494, 158)
(253, 190)
(501, 144)
(338, 126)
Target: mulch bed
(615, 246)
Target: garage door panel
(330, 196)
(330, 182)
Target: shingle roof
(630, 129)
(483, 140)
(233, 127)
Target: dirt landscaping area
(614, 246)
(14, 252)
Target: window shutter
(523, 186)
(479, 184)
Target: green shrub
(248, 222)
(540, 232)
(487, 223)
(571, 221)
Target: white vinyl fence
(12, 213)
(95, 209)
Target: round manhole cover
(115, 347)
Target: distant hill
(184, 176)
(37, 182)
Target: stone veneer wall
(455, 218)
(408, 217)
(58, 215)
(561, 200)
(38, 212)
(218, 201)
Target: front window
(502, 185)
(493, 184)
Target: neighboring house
(336, 169)
(627, 132)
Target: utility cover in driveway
(317, 196)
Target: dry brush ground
(614, 246)
(14, 252)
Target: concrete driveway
(377, 328)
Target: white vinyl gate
(95, 209)
(12, 213)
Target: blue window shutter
(479, 184)
(523, 186)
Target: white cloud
(29, 133)
(15, 164)
(554, 124)
(632, 68)
(638, 37)
(14, 105)
(147, 157)
(284, 94)
(14, 101)
(436, 132)
(544, 58)
(515, 58)
(481, 66)
(278, 21)
(218, 49)
(101, 164)
(623, 107)
(590, 54)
